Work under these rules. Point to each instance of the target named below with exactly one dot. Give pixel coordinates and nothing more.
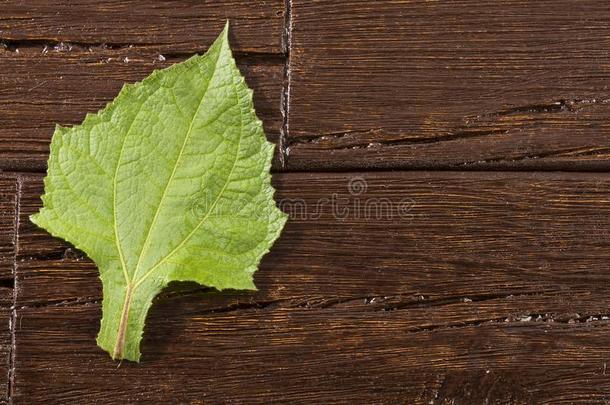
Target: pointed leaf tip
(225, 31)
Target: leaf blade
(183, 150)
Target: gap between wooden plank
(13, 318)
(285, 100)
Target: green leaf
(169, 182)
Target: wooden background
(478, 129)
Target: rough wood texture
(430, 287)
(8, 207)
(8, 224)
(5, 343)
(64, 83)
(386, 287)
(174, 25)
(462, 234)
(449, 84)
(300, 355)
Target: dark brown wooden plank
(462, 286)
(461, 234)
(175, 25)
(8, 227)
(468, 84)
(5, 342)
(8, 218)
(301, 355)
(59, 86)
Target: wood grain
(437, 287)
(5, 343)
(174, 25)
(468, 232)
(8, 225)
(461, 84)
(62, 84)
(463, 286)
(300, 355)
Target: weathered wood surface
(8, 224)
(61, 60)
(9, 189)
(300, 355)
(423, 287)
(449, 84)
(432, 288)
(459, 234)
(6, 342)
(60, 85)
(173, 26)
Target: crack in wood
(62, 303)
(375, 302)
(325, 303)
(558, 106)
(48, 44)
(444, 301)
(399, 139)
(45, 45)
(523, 320)
(329, 138)
(568, 152)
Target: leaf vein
(236, 157)
(178, 158)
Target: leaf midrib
(114, 183)
(146, 244)
(224, 187)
